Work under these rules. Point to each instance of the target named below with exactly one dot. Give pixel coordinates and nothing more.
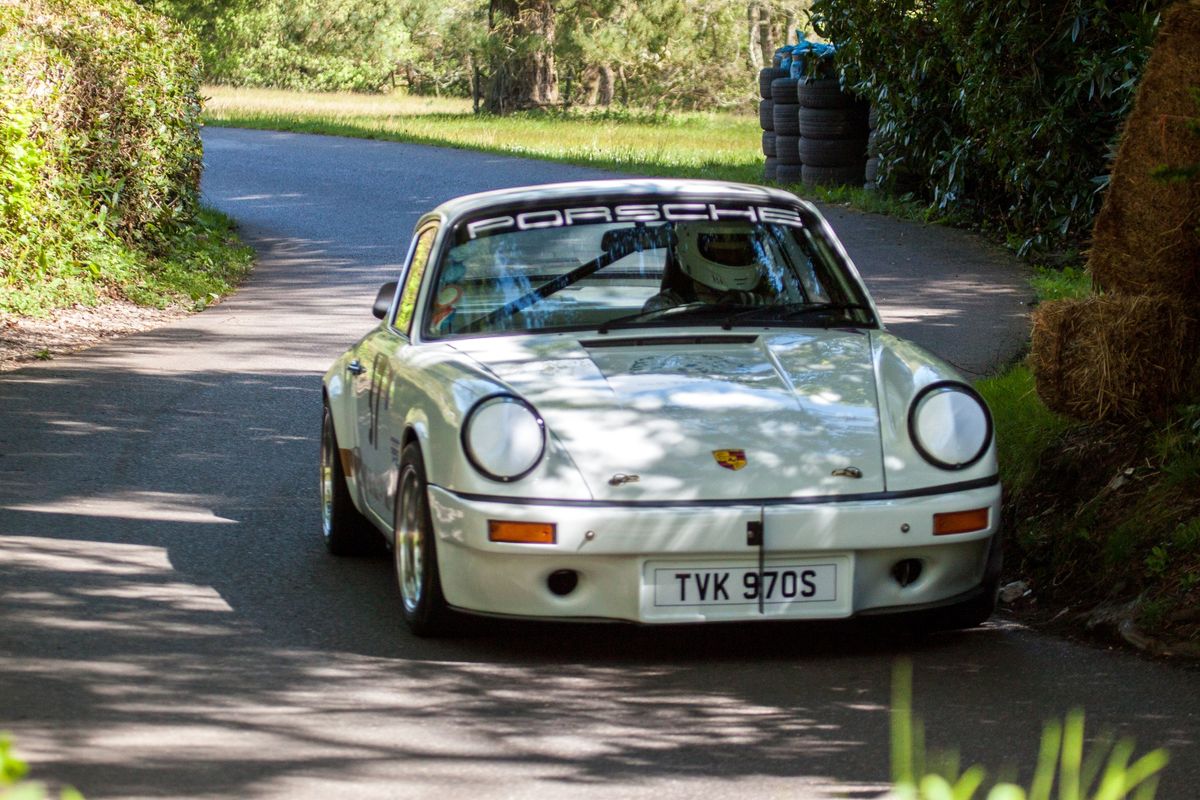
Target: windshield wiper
(815, 307)
(788, 311)
(639, 316)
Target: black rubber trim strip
(641, 341)
(944, 488)
(465, 443)
(957, 386)
(916, 608)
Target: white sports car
(655, 401)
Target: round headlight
(950, 425)
(503, 437)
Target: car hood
(796, 411)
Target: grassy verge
(194, 265)
(202, 263)
(718, 146)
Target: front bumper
(617, 552)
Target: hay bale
(1146, 236)
(1114, 357)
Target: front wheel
(415, 551)
(347, 532)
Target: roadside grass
(1081, 767)
(1024, 426)
(1069, 283)
(194, 266)
(718, 146)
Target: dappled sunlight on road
(160, 506)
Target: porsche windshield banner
(642, 212)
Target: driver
(720, 264)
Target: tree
(521, 56)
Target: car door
(381, 357)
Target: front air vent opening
(562, 581)
(906, 572)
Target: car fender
(902, 369)
(338, 395)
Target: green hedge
(1001, 111)
(313, 45)
(100, 151)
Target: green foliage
(1024, 426)
(100, 153)
(13, 770)
(1002, 111)
(676, 54)
(299, 44)
(1074, 283)
(1103, 773)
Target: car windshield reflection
(605, 275)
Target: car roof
(612, 190)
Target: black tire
(770, 169)
(347, 532)
(414, 551)
(786, 119)
(823, 93)
(833, 152)
(783, 90)
(766, 115)
(765, 76)
(832, 123)
(872, 170)
(789, 173)
(832, 176)
(768, 144)
(787, 149)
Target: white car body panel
(510, 579)
(801, 404)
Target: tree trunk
(754, 20)
(522, 56)
(605, 87)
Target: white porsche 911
(654, 401)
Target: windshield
(596, 275)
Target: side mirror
(383, 300)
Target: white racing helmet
(721, 255)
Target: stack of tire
(785, 119)
(766, 118)
(833, 134)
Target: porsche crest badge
(730, 459)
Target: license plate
(776, 584)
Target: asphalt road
(170, 625)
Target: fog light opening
(562, 582)
(907, 571)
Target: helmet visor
(729, 249)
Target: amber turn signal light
(521, 532)
(960, 521)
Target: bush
(100, 151)
(316, 45)
(1001, 111)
